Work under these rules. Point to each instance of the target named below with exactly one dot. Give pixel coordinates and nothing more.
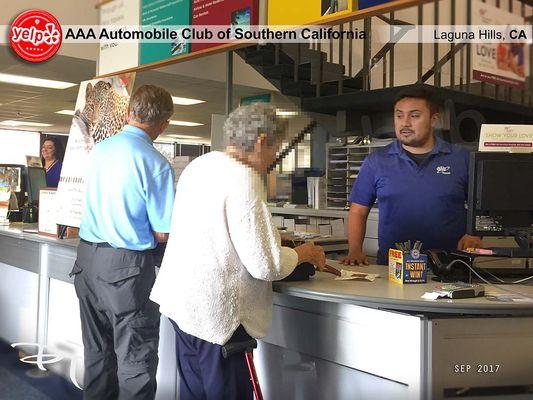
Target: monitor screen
(499, 194)
(10, 175)
(36, 180)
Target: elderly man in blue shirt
(420, 182)
(128, 206)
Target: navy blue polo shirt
(425, 202)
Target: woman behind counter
(52, 154)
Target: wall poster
(498, 63)
(100, 113)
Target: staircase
(322, 86)
(298, 71)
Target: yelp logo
(35, 35)
(50, 35)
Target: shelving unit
(344, 163)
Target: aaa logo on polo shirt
(35, 35)
(444, 170)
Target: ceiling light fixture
(30, 81)
(284, 113)
(184, 123)
(66, 112)
(23, 123)
(184, 101)
(184, 136)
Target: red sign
(223, 12)
(35, 35)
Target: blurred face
(267, 153)
(413, 122)
(48, 151)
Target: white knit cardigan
(222, 254)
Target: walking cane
(246, 348)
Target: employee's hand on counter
(468, 241)
(310, 253)
(355, 258)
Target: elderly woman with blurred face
(51, 155)
(223, 253)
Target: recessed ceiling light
(184, 136)
(184, 123)
(184, 101)
(30, 81)
(66, 112)
(284, 113)
(23, 123)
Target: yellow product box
(407, 266)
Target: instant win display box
(407, 266)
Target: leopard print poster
(103, 114)
(100, 112)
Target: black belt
(102, 244)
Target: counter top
(387, 295)
(19, 230)
(380, 294)
(311, 212)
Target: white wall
(16, 145)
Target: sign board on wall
(164, 12)
(498, 63)
(506, 138)
(99, 101)
(223, 12)
(115, 56)
(300, 12)
(261, 98)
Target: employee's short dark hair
(151, 105)
(421, 93)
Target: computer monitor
(12, 173)
(35, 181)
(500, 199)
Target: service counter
(329, 339)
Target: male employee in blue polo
(128, 207)
(420, 182)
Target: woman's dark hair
(59, 151)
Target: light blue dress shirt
(129, 192)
